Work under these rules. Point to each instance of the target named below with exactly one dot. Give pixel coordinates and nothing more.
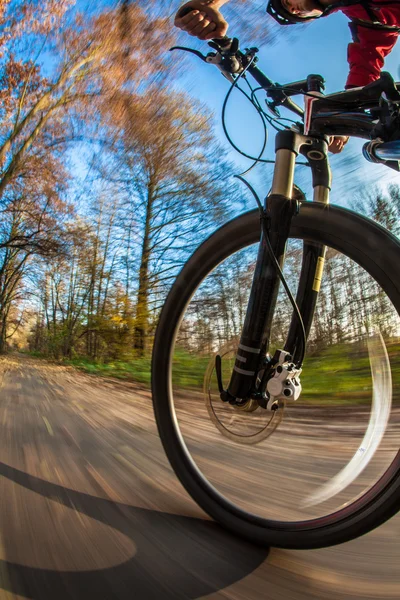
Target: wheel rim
(246, 509)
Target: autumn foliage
(85, 260)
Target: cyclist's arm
(204, 21)
(366, 56)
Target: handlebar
(388, 153)
(232, 62)
(343, 110)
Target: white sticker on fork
(379, 418)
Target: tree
(40, 113)
(173, 181)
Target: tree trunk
(3, 332)
(142, 306)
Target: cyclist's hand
(337, 143)
(204, 21)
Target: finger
(201, 27)
(188, 17)
(221, 31)
(208, 32)
(199, 30)
(197, 24)
(189, 21)
(334, 146)
(342, 140)
(337, 148)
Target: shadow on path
(176, 558)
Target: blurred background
(114, 167)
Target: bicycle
(292, 474)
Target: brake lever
(195, 52)
(210, 58)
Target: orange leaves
(130, 48)
(32, 17)
(18, 79)
(95, 67)
(93, 62)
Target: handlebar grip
(185, 11)
(379, 151)
(224, 43)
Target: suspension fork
(313, 253)
(280, 207)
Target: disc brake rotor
(245, 424)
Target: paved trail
(91, 509)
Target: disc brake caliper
(285, 382)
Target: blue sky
(320, 47)
(286, 54)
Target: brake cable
(261, 209)
(263, 116)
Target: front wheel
(316, 472)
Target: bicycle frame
(280, 207)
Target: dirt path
(91, 509)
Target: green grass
(339, 375)
(188, 371)
(135, 370)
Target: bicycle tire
(366, 243)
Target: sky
(319, 47)
(286, 54)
